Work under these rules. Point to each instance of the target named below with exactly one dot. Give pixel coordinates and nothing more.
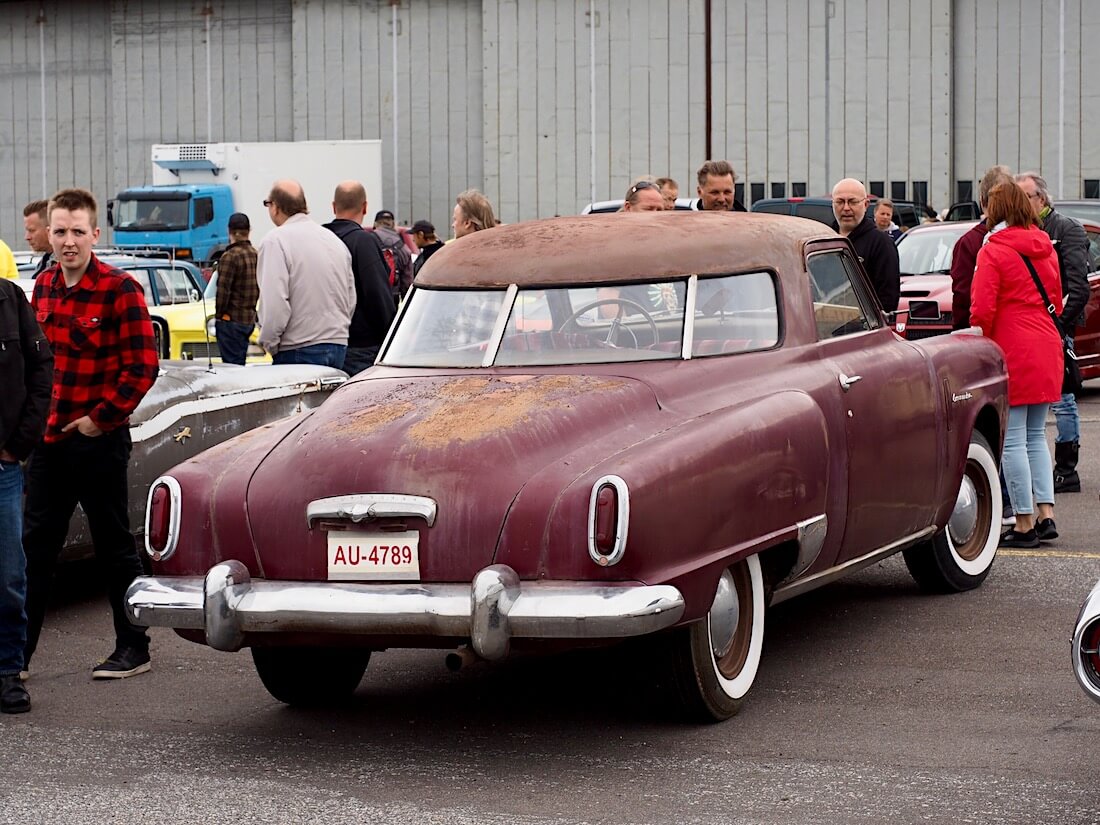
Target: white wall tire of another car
(960, 556)
(715, 660)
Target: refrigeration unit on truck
(196, 187)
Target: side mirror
(110, 213)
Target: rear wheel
(961, 555)
(310, 676)
(714, 661)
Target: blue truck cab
(189, 221)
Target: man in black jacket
(876, 251)
(423, 235)
(26, 375)
(1072, 244)
(374, 305)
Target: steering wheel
(617, 322)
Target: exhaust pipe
(463, 656)
(1086, 645)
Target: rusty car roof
(621, 247)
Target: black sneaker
(125, 661)
(1046, 530)
(13, 696)
(1014, 539)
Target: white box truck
(196, 187)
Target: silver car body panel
(193, 406)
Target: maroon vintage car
(924, 309)
(698, 432)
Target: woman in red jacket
(1006, 304)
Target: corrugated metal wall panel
(495, 93)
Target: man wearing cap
(238, 292)
(374, 305)
(423, 235)
(386, 229)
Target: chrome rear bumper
(496, 607)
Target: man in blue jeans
(26, 375)
(1072, 245)
(307, 291)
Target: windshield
(145, 215)
(929, 253)
(611, 323)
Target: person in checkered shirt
(105, 360)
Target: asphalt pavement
(875, 703)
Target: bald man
(374, 305)
(307, 292)
(875, 249)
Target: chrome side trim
(796, 588)
(359, 506)
(621, 525)
(1086, 675)
(811, 538)
(497, 607)
(175, 496)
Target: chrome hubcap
(964, 518)
(724, 614)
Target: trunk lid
(467, 442)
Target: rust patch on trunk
(473, 408)
(371, 418)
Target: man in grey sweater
(307, 292)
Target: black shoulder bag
(1071, 373)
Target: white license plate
(354, 555)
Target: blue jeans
(1026, 460)
(13, 570)
(1066, 417)
(232, 340)
(325, 355)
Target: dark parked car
(696, 433)
(906, 214)
(924, 307)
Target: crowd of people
(77, 359)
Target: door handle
(846, 381)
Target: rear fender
(702, 495)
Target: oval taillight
(160, 518)
(607, 518)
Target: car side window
(142, 277)
(817, 212)
(1094, 250)
(735, 313)
(838, 310)
(179, 288)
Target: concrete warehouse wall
(498, 93)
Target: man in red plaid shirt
(105, 360)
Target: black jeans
(91, 471)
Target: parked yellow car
(186, 331)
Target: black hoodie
(879, 257)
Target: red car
(925, 254)
(698, 434)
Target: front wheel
(714, 661)
(960, 556)
(310, 676)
